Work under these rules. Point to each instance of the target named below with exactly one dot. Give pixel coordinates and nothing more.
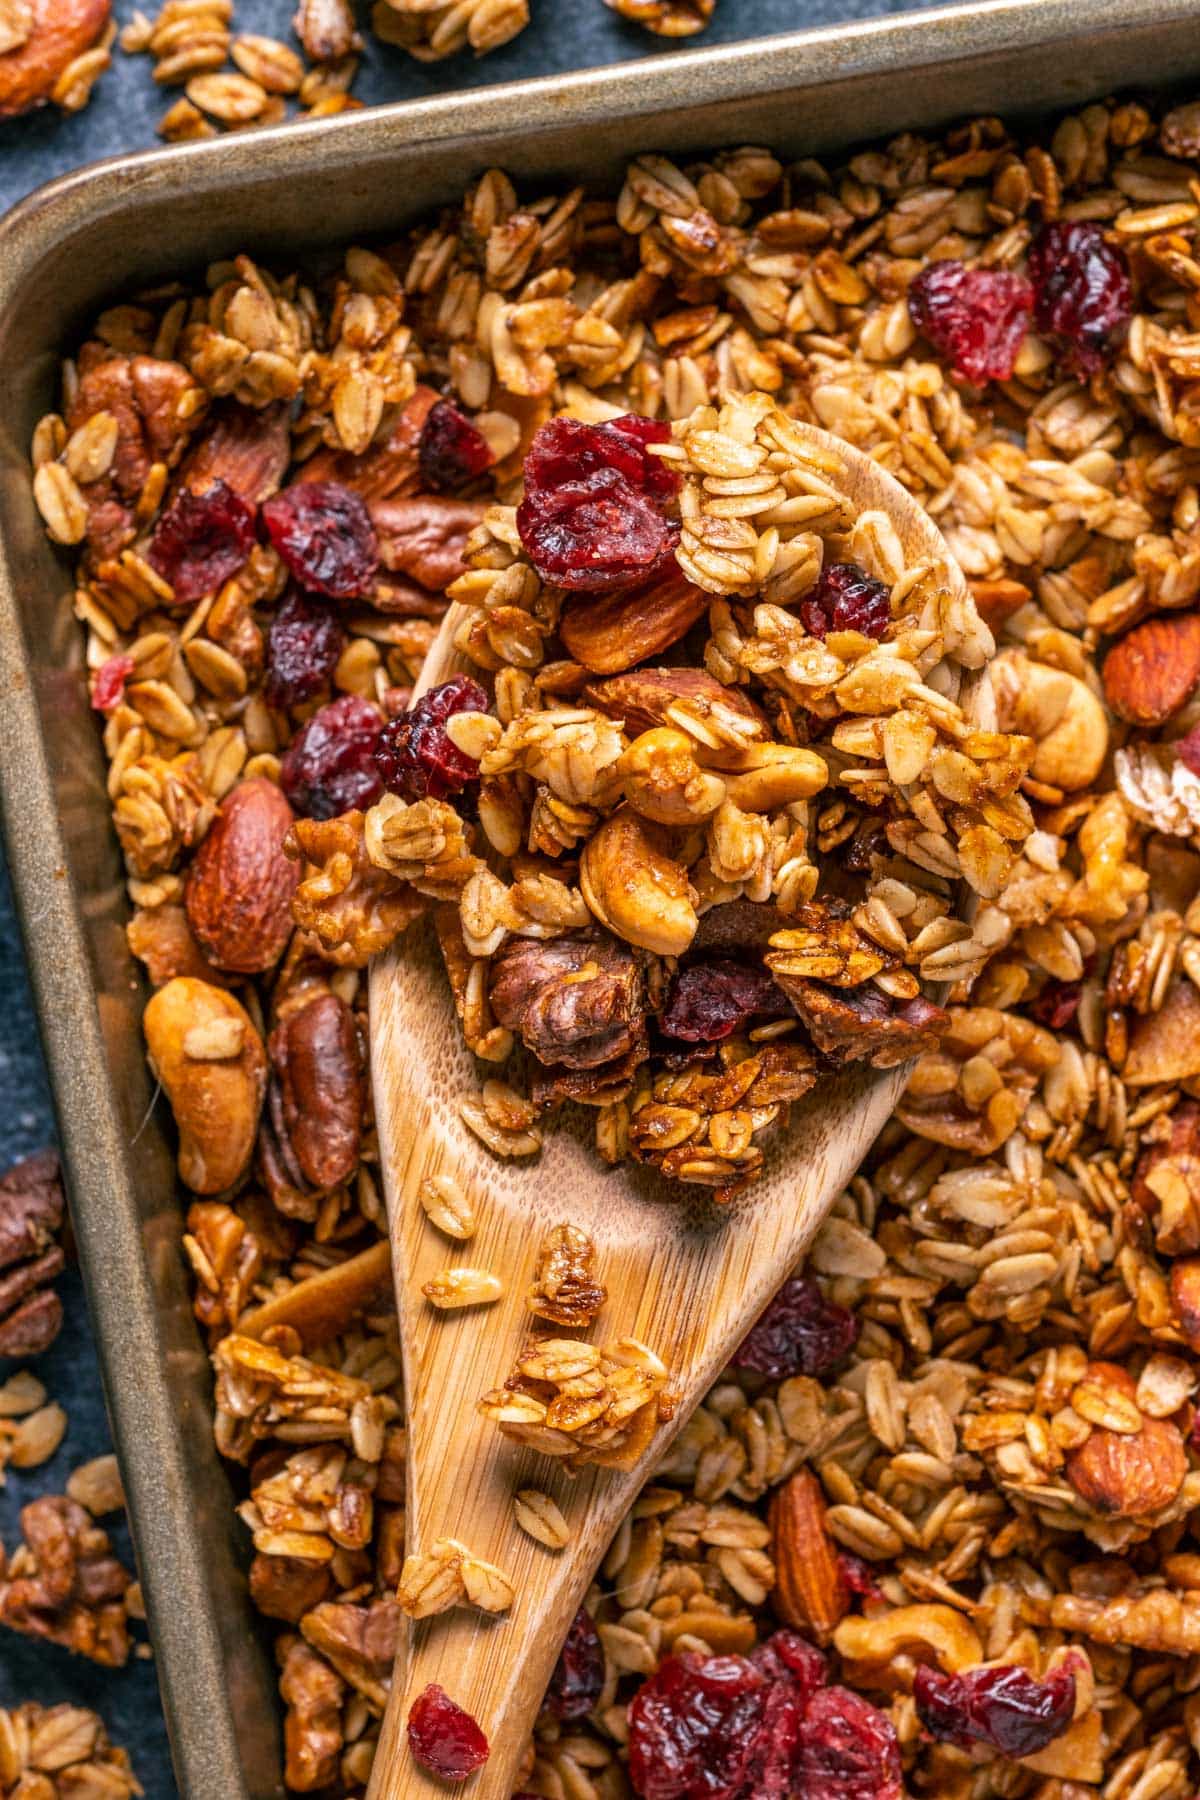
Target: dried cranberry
(1056, 1004)
(711, 1000)
(578, 1677)
(846, 598)
(303, 646)
(1006, 1707)
(443, 1738)
(414, 755)
(329, 766)
(786, 1656)
(108, 683)
(848, 1750)
(451, 450)
(858, 1576)
(202, 540)
(1083, 297)
(801, 1333)
(976, 319)
(592, 517)
(324, 536)
(1187, 749)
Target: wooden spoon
(684, 1276)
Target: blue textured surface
(122, 116)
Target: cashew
(773, 775)
(663, 780)
(216, 1100)
(634, 887)
(953, 1641)
(1059, 712)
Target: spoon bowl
(685, 1276)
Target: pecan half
(317, 1094)
(864, 1025)
(386, 471)
(156, 405)
(31, 1214)
(326, 29)
(246, 448)
(312, 1730)
(575, 1001)
(424, 537)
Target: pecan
(864, 1025)
(424, 537)
(41, 38)
(359, 1641)
(286, 1587)
(161, 938)
(592, 1087)
(576, 1001)
(65, 1585)
(212, 1065)
(666, 18)
(247, 448)
(1123, 1474)
(1151, 671)
(612, 633)
(810, 1592)
(564, 1289)
(354, 909)
(326, 29)
(239, 889)
(642, 698)
(313, 1130)
(312, 1731)
(387, 471)
(31, 1214)
(156, 405)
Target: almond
(810, 1591)
(642, 697)
(238, 893)
(1127, 1474)
(1154, 668)
(43, 38)
(611, 634)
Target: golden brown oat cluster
(986, 1379)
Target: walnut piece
(31, 1213)
(575, 1001)
(65, 1585)
(354, 909)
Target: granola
(960, 1447)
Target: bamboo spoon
(684, 1276)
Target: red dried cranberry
(848, 1750)
(976, 319)
(1083, 297)
(414, 755)
(324, 536)
(329, 766)
(578, 1677)
(451, 450)
(592, 517)
(801, 1333)
(443, 1738)
(202, 540)
(303, 646)
(1007, 1707)
(709, 1001)
(858, 1576)
(846, 598)
(786, 1656)
(108, 683)
(1187, 749)
(1056, 1004)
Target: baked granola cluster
(956, 1458)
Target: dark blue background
(564, 34)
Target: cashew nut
(1059, 712)
(953, 1641)
(663, 780)
(769, 776)
(204, 1049)
(635, 888)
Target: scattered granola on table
(937, 1517)
(666, 18)
(61, 1753)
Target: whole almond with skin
(810, 1592)
(613, 633)
(1127, 1474)
(641, 697)
(238, 892)
(1153, 669)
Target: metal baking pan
(86, 240)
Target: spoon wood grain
(685, 1276)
